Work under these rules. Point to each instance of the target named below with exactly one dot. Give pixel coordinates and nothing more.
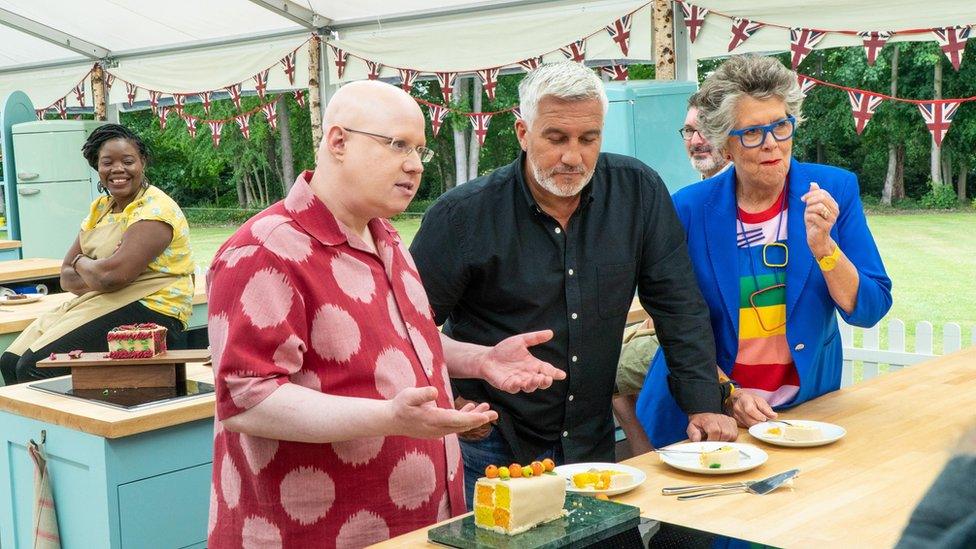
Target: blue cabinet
(14, 109)
(643, 122)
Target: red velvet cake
(136, 341)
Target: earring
(101, 188)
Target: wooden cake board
(97, 371)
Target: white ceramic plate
(30, 298)
(831, 433)
(567, 472)
(691, 462)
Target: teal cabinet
(14, 109)
(55, 185)
(643, 122)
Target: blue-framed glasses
(754, 136)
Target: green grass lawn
(930, 257)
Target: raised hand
(414, 413)
(819, 217)
(510, 366)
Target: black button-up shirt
(494, 265)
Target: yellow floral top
(175, 300)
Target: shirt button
(799, 347)
(574, 358)
(575, 316)
(571, 272)
(565, 434)
(570, 398)
(558, 230)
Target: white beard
(707, 165)
(548, 182)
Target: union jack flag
(109, 82)
(489, 78)
(479, 121)
(575, 51)
(742, 29)
(374, 69)
(179, 101)
(300, 98)
(862, 107)
(39, 113)
(270, 111)
(261, 82)
(806, 84)
(952, 40)
(407, 76)
(340, 57)
(517, 111)
(873, 42)
(938, 116)
(694, 17)
(62, 106)
(154, 100)
(191, 125)
(531, 63)
(205, 100)
(244, 123)
(620, 33)
(288, 62)
(130, 92)
(447, 81)
(80, 93)
(802, 42)
(437, 115)
(235, 94)
(215, 128)
(162, 113)
(616, 72)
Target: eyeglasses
(399, 146)
(687, 133)
(754, 136)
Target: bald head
(371, 105)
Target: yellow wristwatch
(828, 262)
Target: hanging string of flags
(937, 113)
(952, 39)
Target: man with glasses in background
(703, 156)
(335, 421)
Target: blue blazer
(708, 212)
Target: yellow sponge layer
(483, 516)
(503, 497)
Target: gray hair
(755, 76)
(567, 80)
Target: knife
(759, 487)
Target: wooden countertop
(856, 492)
(101, 420)
(17, 270)
(9, 244)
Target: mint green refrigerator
(55, 185)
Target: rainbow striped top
(764, 363)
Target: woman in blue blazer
(778, 247)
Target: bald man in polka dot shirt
(335, 425)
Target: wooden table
(19, 270)
(857, 492)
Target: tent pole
(98, 91)
(314, 92)
(664, 40)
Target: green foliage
(942, 197)
(218, 216)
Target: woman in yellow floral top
(131, 263)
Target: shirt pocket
(615, 288)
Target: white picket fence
(874, 358)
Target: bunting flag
(270, 111)
(39, 113)
(447, 80)
(575, 51)
(938, 116)
(191, 125)
(109, 82)
(407, 76)
(616, 72)
(806, 84)
(235, 94)
(742, 29)
(862, 107)
(205, 100)
(489, 79)
(620, 33)
(802, 42)
(261, 82)
(179, 101)
(62, 106)
(244, 123)
(340, 58)
(130, 92)
(374, 68)
(162, 113)
(300, 98)
(154, 100)
(531, 63)
(215, 127)
(288, 62)
(517, 111)
(873, 42)
(80, 93)
(437, 115)
(694, 17)
(952, 40)
(479, 121)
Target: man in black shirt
(560, 239)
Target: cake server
(759, 487)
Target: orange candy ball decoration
(516, 470)
(491, 471)
(537, 468)
(549, 464)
